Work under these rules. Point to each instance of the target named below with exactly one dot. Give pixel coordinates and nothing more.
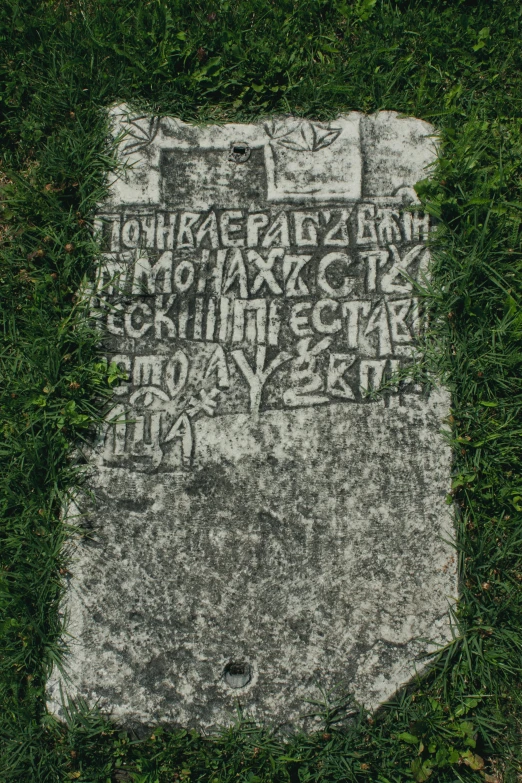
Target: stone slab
(260, 523)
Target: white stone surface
(260, 524)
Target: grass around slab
(456, 64)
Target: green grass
(456, 64)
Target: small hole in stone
(237, 674)
(239, 152)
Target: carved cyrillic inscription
(233, 311)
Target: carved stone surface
(260, 523)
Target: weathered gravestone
(260, 522)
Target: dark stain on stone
(139, 505)
(210, 481)
(268, 519)
(154, 672)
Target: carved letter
(123, 361)
(186, 223)
(161, 318)
(236, 271)
(277, 234)
(256, 380)
(265, 270)
(131, 330)
(292, 266)
(182, 430)
(228, 228)
(255, 223)
(388, 229)
(299, 323)
(144, 269)
(112, 273)
(398, 309)
(336, 384)
(184, 275)
(323, 283)
(397, 269)
(379, 322)
(340, 228)
(253, 334)
(374, 260)
(317, 322)
(366, 233)
(208, 227)
(114, 442)
(302, 221)
(176, 373)
(218, 364)
(373, 368)
(304, 370)
(147, 370)
(165, 230)
(131, 233)
(351, 311)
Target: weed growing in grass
(456, 64)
